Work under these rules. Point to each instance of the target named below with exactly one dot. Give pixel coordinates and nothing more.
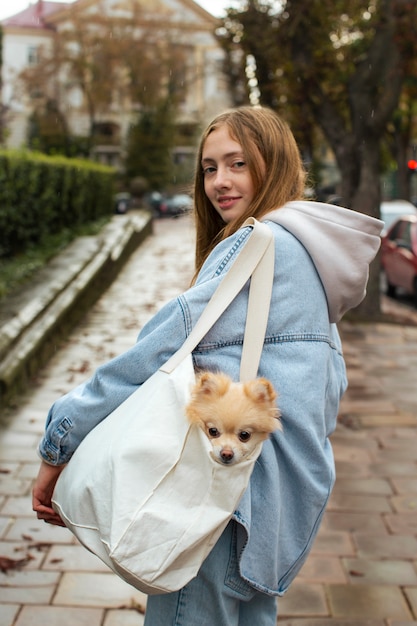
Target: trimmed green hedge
(42, 195)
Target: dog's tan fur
(235, 416)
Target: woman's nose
(222, 179)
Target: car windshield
(392, 210)
(389, 218)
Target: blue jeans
(216, 597)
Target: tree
(343, 64)
(48, 130)
(254, 31)
(149, 146)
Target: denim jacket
(279, 514)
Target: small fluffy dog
(235, 416)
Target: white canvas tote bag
(142, 491)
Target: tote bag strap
(260, 292)
(256, 260)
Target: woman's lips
(227, 202)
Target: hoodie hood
(341, 242)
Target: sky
(11, 7)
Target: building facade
(62, 42)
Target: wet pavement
(363, 566)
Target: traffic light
(412, 165)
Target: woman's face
(227, 180)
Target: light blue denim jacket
(280, 512)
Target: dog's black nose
(227, 456)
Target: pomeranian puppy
(235, 416)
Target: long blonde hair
(274, 162)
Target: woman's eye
(244, 436)
(213, 433)
(208, 170)
(239, 164)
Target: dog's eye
(244, 436)
(213, 433)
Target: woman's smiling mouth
(226, 202)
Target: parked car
(391, 210)
(176, 205)
(122, 202)
(399, 256)
(153, 201)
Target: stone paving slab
(323, 569)
(54, 616)
(304, 599)
(385, 546)
(72, 558)
(368, 601)
(362, 570)
(356, 521)
(365, 572)
(334, 622)
(124, 618)
(96, 589)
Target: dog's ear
(260, 390)
(209, 383)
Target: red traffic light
(412, 164)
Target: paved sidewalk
(363, 568)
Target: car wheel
(391, 290)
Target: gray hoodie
(341, 243)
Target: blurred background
(131, 86)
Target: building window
(33, 55)
(106, 133)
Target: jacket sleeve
(76, 413)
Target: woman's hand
(42, 493)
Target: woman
(248, 165)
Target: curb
(34, 320)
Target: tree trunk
(367, 200)
(367, 196)
(370, 307)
